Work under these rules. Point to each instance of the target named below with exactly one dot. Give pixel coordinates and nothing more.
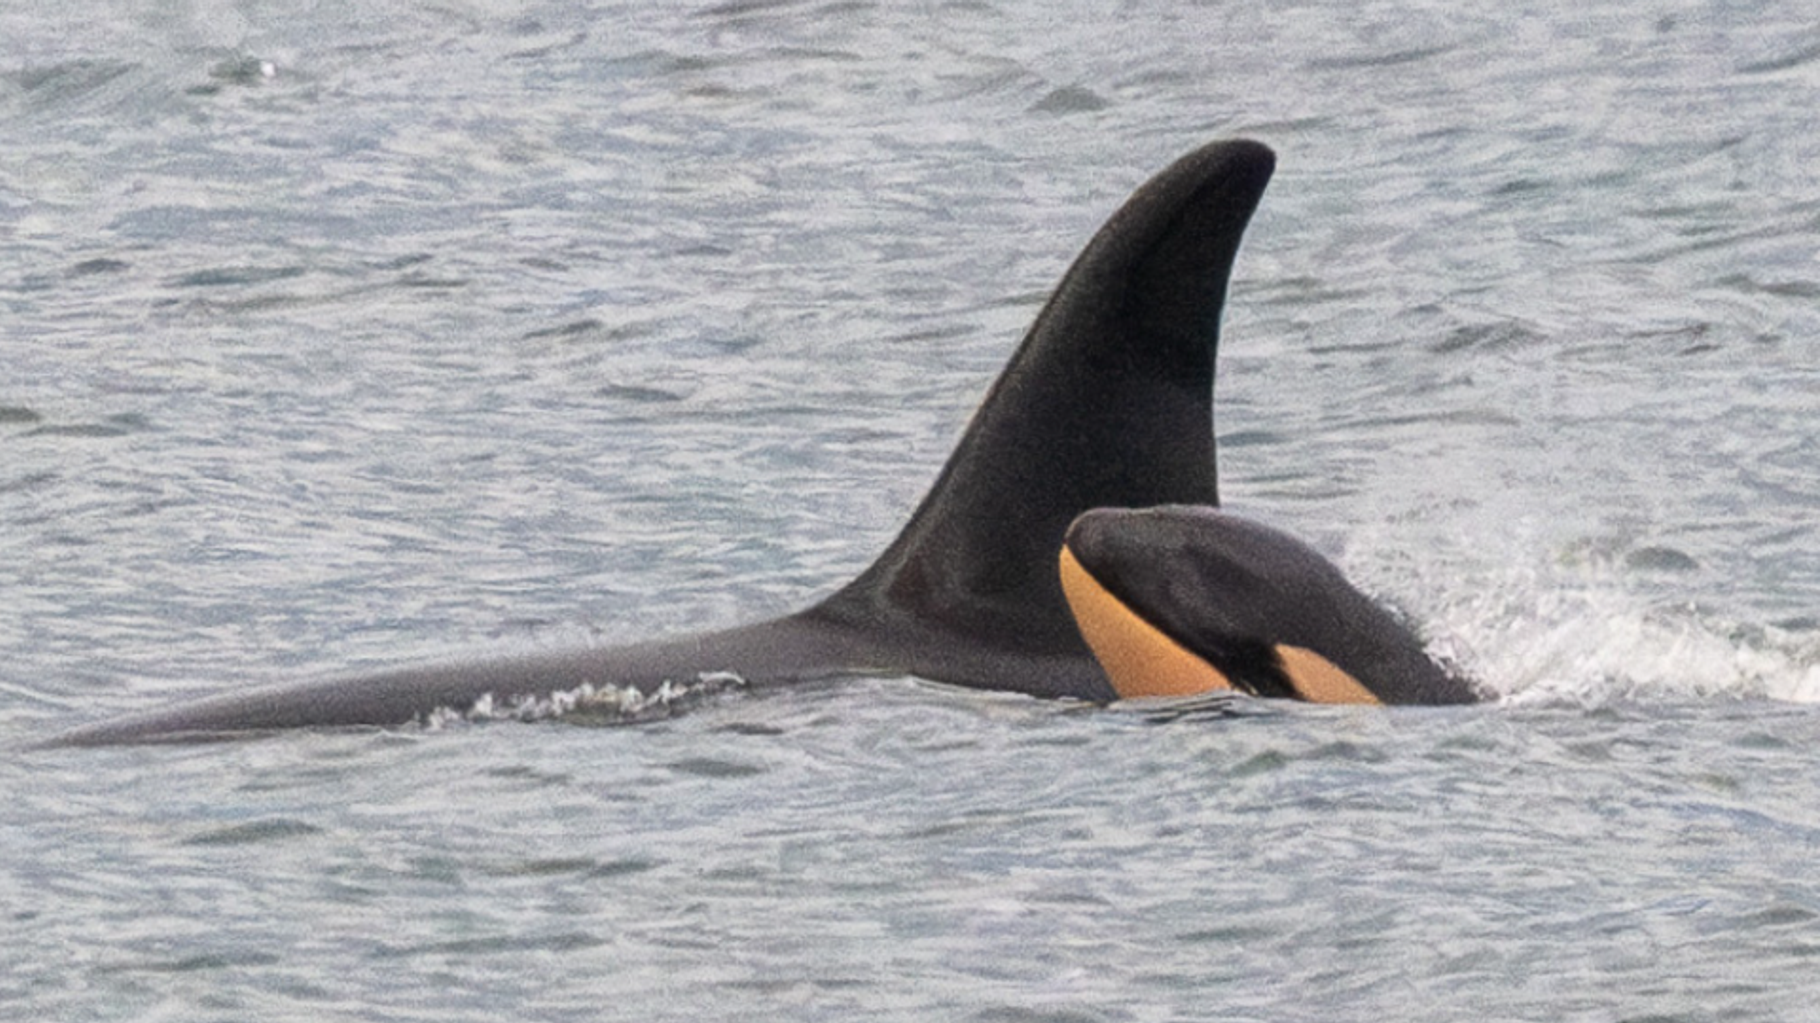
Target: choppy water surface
(339, 334)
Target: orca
(1177, 600)
(1106, 403)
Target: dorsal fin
(1107, 402)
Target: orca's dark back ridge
(1107, 402)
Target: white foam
(1550, 636)
(607, 702)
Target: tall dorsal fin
(1108, 402)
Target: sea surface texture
(340, 334)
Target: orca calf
(1107, 403)
(1187, 599)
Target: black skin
(1231, 590)
(1107, 402)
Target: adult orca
(1186, 599)
(1107, 402)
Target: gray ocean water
(336, 334)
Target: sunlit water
(344, 334)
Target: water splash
(1542, 636)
